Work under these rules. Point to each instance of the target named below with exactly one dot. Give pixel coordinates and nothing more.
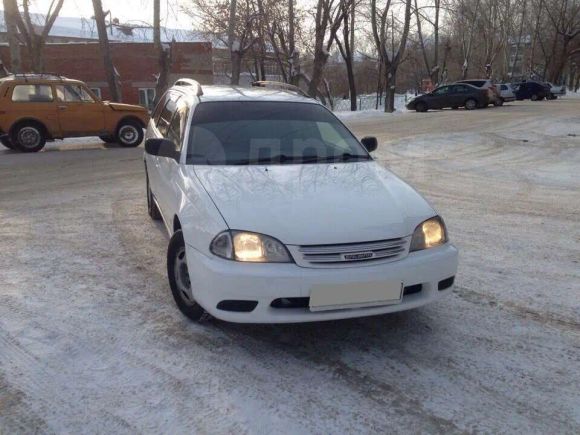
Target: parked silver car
(556, 90)
(506, 92)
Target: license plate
(355, 295)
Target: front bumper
(215, 280)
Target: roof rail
(49, 76)
(190, 82)
(279, 85)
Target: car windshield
(264, 132)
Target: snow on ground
(91, 342)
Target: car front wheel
(28, 137)
(179, 281)
(129, 134)
(534, 97)
(421, 107)
(498, 103)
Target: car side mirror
(161, 147)
(370, 143)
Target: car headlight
(249, 247)
(429, 234)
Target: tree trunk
(10, 11)
(390, 81)
(236, 59)
(233, 45)
(163, 53)
(106, 51)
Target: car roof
(37, 79)
(238, 93)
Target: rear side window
(166, 115)
(504, 87)
(32, 94)
(478, 83)
(461, 89)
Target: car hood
(119, 107)
(315, 203)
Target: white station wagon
(277, 213)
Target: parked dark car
(531, 90)
(454, 96)
(493, 94)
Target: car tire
(108, 139)
(179, 281)
(470, 104)
(28, 137)
(498, 103)
(421, 107)
(129, 134)
(152, 208)
(6, 142)
(534, 97)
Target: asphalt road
(91, 342)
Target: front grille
(353, 253)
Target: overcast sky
(124, 10)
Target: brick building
(136, 64)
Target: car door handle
(62, 107)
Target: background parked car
(36, 108)
(493, 95)
(506, 92)
(531, 90)
(454, 96)
(556, 90)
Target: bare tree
(34, 35)
(11, 15)
(346, 48)
(431, 65)
(327, 21)
(163, 53)
(106, 51)
(231, 23)
(390, 61)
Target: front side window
(461, 89)
(97, 92)
(178, 123)
(32, 94)
(441, 91)
(73, 94)
(252, 132)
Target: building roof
(86, 28)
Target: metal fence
(369, 101)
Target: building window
(97, 92)
(147, 97)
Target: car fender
(198, 215)
(30, 119)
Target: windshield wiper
(281, 158)
(344, 157)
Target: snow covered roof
(85, 28)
